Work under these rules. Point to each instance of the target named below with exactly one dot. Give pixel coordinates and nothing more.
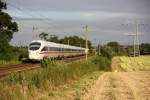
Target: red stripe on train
(56, 52)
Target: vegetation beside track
(135, 63)
(25, 85)
(12, 62)
(74, 90)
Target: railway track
(5, 70)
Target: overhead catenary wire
(32, 16)
(136, 42)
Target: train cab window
(34, 46)
(45, 49)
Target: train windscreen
(34, 46)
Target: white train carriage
(38, 49)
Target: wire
(22, 10)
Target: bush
(103, 62)
(107, 52)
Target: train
(39, 49)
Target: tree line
(115, 49)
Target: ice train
(38, 49)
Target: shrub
(103, 62)
(107, 52)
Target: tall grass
(51, 74)
(11, 62)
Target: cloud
(60, 17)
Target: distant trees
(115, 46)
(107, 51)
(54, 38)
(43, 36)
(7, 28)
(145, 48)
(128, 49)
(112, 49)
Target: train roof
(57, 44)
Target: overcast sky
(105, 19)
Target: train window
(59, 49)
(34, 46)
(54, 49)
(51, 49)
(45, 49)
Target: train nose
(34, 56)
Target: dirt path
(120, 86)
(115, 66)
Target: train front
(34, 50)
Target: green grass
(12, 62)
(141, 63)
(25, 85)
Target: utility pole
(86, 39)
(136, 44)
(99, 49)
(33, 33)
(68, 42)
(79, 44)
(137, 38)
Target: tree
(107, 51)
(53, 38)
(43, 36)
(115, 46)
(145, 48)
(7, 29)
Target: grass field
(141, 63)
(12, 62)
(26, 85)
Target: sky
(107, 20)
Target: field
(133, 84)
(82, 80)
(141, 63)
(52, 74)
